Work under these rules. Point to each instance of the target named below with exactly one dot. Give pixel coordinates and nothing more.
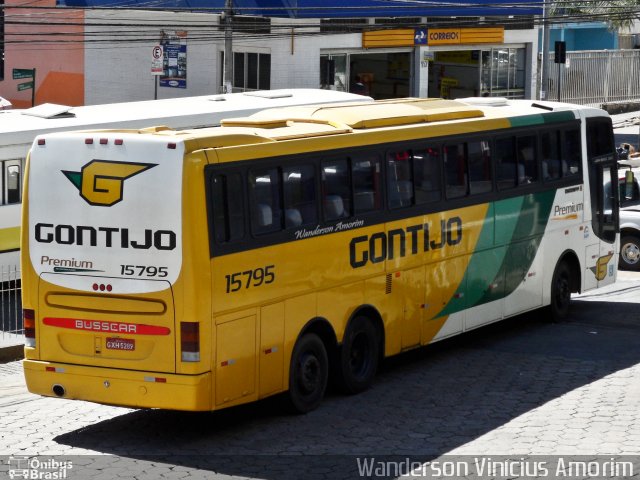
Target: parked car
(629, 216)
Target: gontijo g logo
(101, 182)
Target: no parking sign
(157, 60)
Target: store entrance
(494, 72)
(380, 75)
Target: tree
(618, 14)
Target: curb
(11, 353)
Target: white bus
(18, 128)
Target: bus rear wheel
(560, 292)
(358, 356)
(308, 374)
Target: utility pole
(227, 76)
(544, 64)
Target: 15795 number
(143, 271)
(250, 278)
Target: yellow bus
(201, 269)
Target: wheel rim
(359, 360)
(309, 373)
(630, 253)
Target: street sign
(19, 73)
(25, 86)
(157, 60)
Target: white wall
(119, 70)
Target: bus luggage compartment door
(107, 329)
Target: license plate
(128, 344)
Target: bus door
(601, 252)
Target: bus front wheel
(630, 253)
(308, 374)
(560, 292)
(358, 356)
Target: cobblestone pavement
(521, 387)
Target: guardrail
(596, 77)
(10, 300)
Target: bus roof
(21, 126)
(323, 120)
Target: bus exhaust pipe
(58, 390)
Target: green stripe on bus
(496, 272)
(542, 118)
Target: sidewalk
(11, 347)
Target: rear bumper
(124, 388)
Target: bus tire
(560, 292)
(358, 356)
(630, 253)
(308, 374)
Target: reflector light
(118, 141)
(190, 341)
(95, 287)
(41, 141)
(54, 369)
(29, 322)
(88, 141)
(104, 141)
(155, 379)
(171, 146)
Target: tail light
(190, 341)
(29, 322)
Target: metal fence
(595, 77)
(10, 300)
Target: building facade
(104, 55)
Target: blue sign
(175, 60)
(420, 36)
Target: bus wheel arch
(564, 281)
(360, 352)
(309, 365)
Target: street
(521, 387)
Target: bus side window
(527, 163)
(455, 169)
(299, 188)
(13, 183)
(365, 174)
(426, 170)
(266, 209)
(506, 167)
(479, 157)
(400, 179)
(550, 152)
(336, 189)
(571, 152)
(227, 207)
